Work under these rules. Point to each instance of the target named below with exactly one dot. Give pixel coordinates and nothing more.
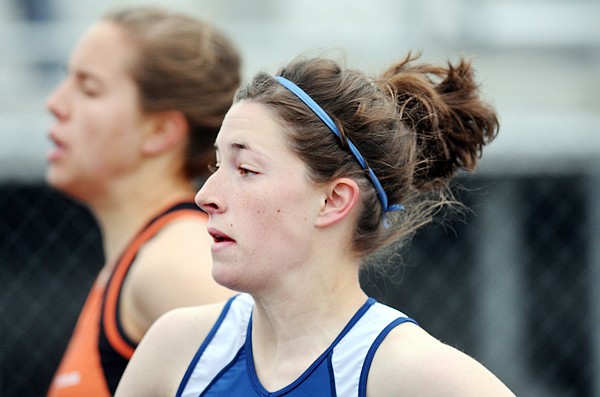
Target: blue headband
(318, 110)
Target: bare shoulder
(173, 269)
(184, 325)
(182, 252)
(177, 240)
(164, 354)
(181, 247)
(413, 363)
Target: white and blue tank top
(224, 366)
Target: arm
(172, 270)
(413, 363)
(161, 359)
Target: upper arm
(162, 357)
(172, 270)
(411, 362)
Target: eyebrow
(83, 74)
(235, 146)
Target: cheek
(105, 151)
(113, 131)
(280, 218)
(260, 216)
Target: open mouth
(57, 149)
(219, 237)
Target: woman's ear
(341, 197)
(165, 130)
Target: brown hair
(416, 126)
(184, 64)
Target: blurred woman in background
(135, 122)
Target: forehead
(254, 126)
(104, 48)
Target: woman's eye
(246, 172)
(89, 90)
(89, 86)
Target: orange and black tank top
(99, 349)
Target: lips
(58, 150)
(219, 237)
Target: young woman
(135, 122)
(318, 168)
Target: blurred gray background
(516, 285)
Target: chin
(54, 181)
(228, 280)
(57, 177)
(73, 190)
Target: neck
(123, 212)
(292, 330)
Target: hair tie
(318, 110)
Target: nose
(207, 198)
(56, 101)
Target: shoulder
(179, 253)
(173, 269)
(181, 242)
(163, 356)
(414, 363)
(187, 226)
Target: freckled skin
(256, 173)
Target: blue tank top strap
(219, 348)
(364, 373)
(353, 355)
